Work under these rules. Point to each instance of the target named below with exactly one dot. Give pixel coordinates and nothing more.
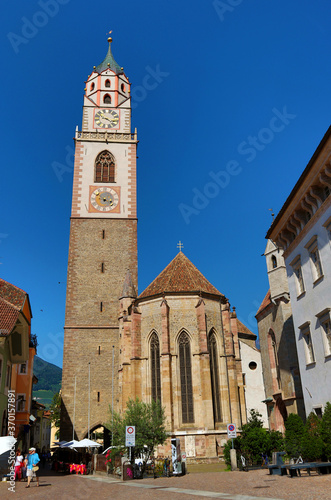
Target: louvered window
(104, 167)
(155, 367)
(215, 378)
(186, 378)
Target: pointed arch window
(185, 368)
(215, 385)
(274, 261)
(273, 356)
(107, 83)
(104, 167)
(155, 367)
(107, 99)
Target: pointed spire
(128, 287)
(109, 62)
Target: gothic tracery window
(186, 378)
(212, 347)
(104, 167)
(155, 367)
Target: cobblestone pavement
(253, 485)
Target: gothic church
(178, 341)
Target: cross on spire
(180, 245)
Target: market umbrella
(70, 444)
(6, 443)
(87, 443)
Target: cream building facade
(302, 230)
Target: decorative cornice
(105, 137)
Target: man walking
(32, 467)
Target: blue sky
(240, 102)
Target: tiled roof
(243, 329)
(266, 301)
(12, 294)
(179, 276)
(12, 300)
(109, 60)
(8, 317)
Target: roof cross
(180, 245)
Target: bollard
(233, 458)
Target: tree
(293, 435)
(312, 443)
(254, 440)
(55, 409)
(149, 421)
(326, 430)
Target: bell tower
(102, 248)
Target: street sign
(232, 431)
(130, 435)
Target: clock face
(104, 199)
(106, 118)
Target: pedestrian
(18, 465)
(24, 464)
(32, 467)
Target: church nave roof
(180, 276)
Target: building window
(215, 387)
(315, 260)
(318, 411)
(325, 323)
(8, 376)
(107, 83)
(4, 424)
(327, 226)
(0, 372)
(186, 378)
(98, 397)
(306, 335)
(297, 271)
(20, 403)
(273, 358)
(92, 86)
(155, 368)
(273, 261)
(23, 369)
(107, 99)
(104, 167)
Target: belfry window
(212, 347)
(274, 262)
(107, 99)
(104, 167)
(92, 86)
(155, 367)
(186, 378)
(107, 83)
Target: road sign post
(130, 435)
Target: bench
(277, 468)
(321, 467)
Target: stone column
(136, 361)
(206, 419)
(166, 359)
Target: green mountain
(49, 380)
